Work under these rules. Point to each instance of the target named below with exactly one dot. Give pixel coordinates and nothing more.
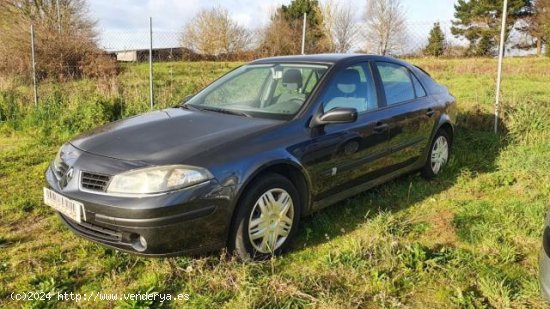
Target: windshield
(269, 91)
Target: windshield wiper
(188, 106)
(220, 110)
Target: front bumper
(544, 265)
(188, 221)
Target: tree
(214, 32)
(339, 25)
(285, 29)
(538, 24)
(280, 37)
(316, 40)
(61, 45)
(478, 21)
(385, 26)
(436, 42)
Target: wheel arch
(287, 168)
(445, 123)
(449, 129)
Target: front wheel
(267, 218)
(438, 156)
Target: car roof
(321, 58)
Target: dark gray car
(545, 261)
(243, 160)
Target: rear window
(418, 87)
(397, 82)
(427, 81)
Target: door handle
(430, 112)
(380, 127)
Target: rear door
(410, 111)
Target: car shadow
(475, 150)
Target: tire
(246, 240)
(440, 150)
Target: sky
(171, 15)
(119, 21)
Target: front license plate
(68, 207)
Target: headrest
(292, 79)
(348, 81)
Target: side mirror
(336, 115)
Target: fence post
(500, 59)
(35, 87)
(304, 34)
(58, 16)
(171, 74)
(151, 96)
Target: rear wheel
(267, 218)
(438, 156)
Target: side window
(397, 82)
(420, 92)
(352, 87)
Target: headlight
(158, 179)
(57, 161)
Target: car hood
(168, 136)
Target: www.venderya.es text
(98, 296)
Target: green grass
(469, 239)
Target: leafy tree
(538, 25)
(436, 42)
(285, 29)
(280, 38)
(479, 22)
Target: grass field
(469, 239)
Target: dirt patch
(442, 230)
(28, 225)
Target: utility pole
(304, 34)
(151, 96)
(500, 59)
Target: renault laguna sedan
(544, 262)
(238, 164)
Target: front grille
(94, 182)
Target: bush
(528, 123)
(59, 54)
(9, 109)
(99, 65)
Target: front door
(339, 156)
